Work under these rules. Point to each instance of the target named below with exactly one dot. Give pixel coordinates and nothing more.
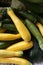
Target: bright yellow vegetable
(25, 34)
(15, 60)
(6, 53)
(7, 36)
(20, 46)
(40, 26)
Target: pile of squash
(21, 36)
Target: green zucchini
(35, 32)
(2, 13)
(35, 53)
(40, 19)
(10, 28)
(6, 21)
(4, 45)
(30, 15)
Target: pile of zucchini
(21, 36)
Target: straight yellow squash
(15, 60)
(7, 36)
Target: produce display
(21, 36)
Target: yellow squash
(40, 26)
(15, 60)
(25, 34)
(7, 36)
(9, 54)
(20, 46)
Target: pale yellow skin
(8, 54)
(40, 26)
(7, 36)
(25, 34)
(20, 46)
(15, 60)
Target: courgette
(19, 25)
(35, 32)
(39, 18)
(20, 46)
(6, 21)
(8, 54)
(28, 15)
(5, 44)
(8, 37)
(10, 27)
(31, 16)
(35, 53)
(15, 60)
(40, 27)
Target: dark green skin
(10, 28)
(4, 45)
(35, 53)
(6, 21)
(33, 29)
(29, 15)
(39, 18)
